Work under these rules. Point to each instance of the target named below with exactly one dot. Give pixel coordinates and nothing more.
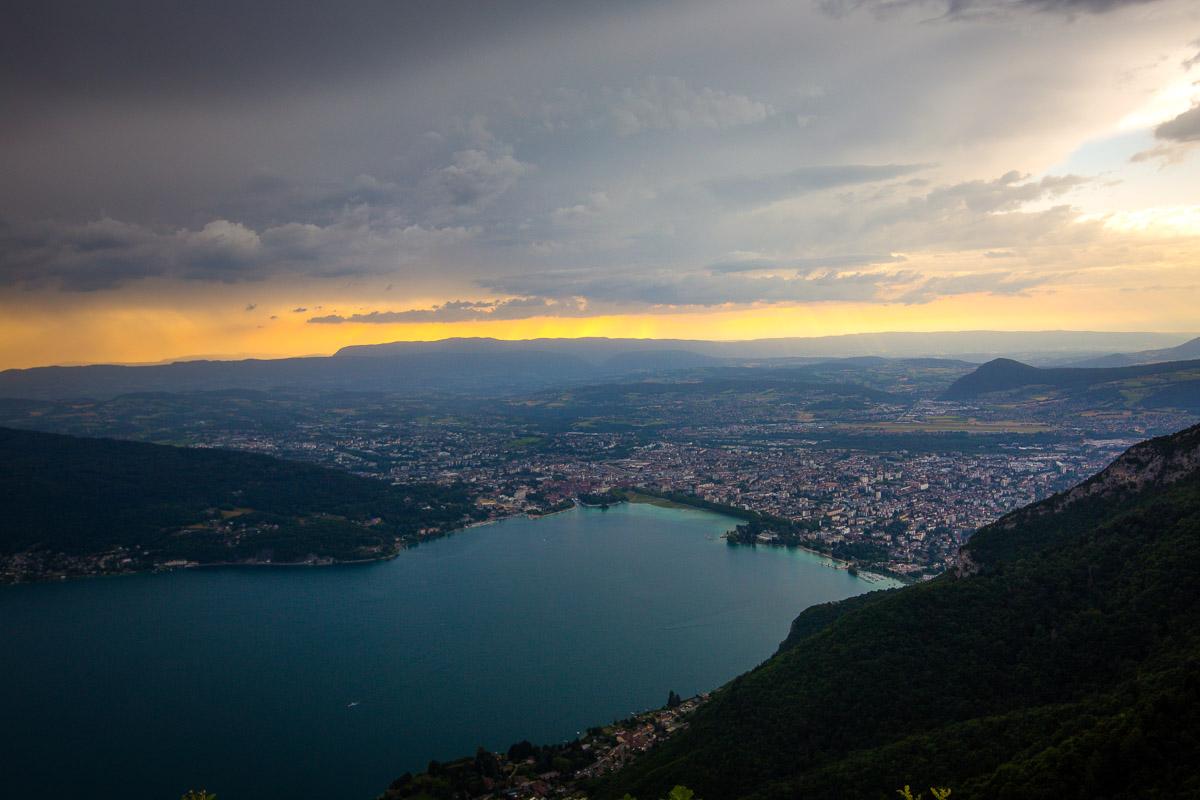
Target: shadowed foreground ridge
(1062, 660)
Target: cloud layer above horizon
(267, 176)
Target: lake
(241, 680)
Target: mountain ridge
(495, 366)
(984, 343)
(1006, 374)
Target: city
(863, 463)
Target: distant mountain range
(492, 366)
(412, 373)
(1170, 384)
(1060, 660)
(968, 345)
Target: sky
(269, 178)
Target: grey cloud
(995, 283)
(657, 103)
(973, 215)
(1061, 6)
(466, 182)
(366, 240)
(1176, 137)
(426, 141)
(1006, 193)
(581, 213)
(363, 189)
(969, 215)
(299, 310)
(107, 253)
(251, 306)
(221, 250)
(671, 104)
(679, 288)
(95, 255)
(1183, 128)
(804, 264)
(464, 311)
(1194, 60)
(241, 47)
(579, 293)
(476, 178)
(768, 188)
(952, 9)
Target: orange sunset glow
(634, 196)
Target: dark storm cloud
(239, 47)
(108, 253)
(758, 189)
(96, 255)
(535, 149)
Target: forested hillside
(1172, 383)
(75, 505)
(1062, 660)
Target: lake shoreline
(59, 576)
(413, 642)
(869, 575)
(632, 496)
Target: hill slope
(1006, 375)
(1062, 660)
(491, 366)
(84, 506)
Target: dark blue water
(240, 680)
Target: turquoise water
(240, 680)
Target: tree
(486, 763)
(520, 751)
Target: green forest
(79, 496)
